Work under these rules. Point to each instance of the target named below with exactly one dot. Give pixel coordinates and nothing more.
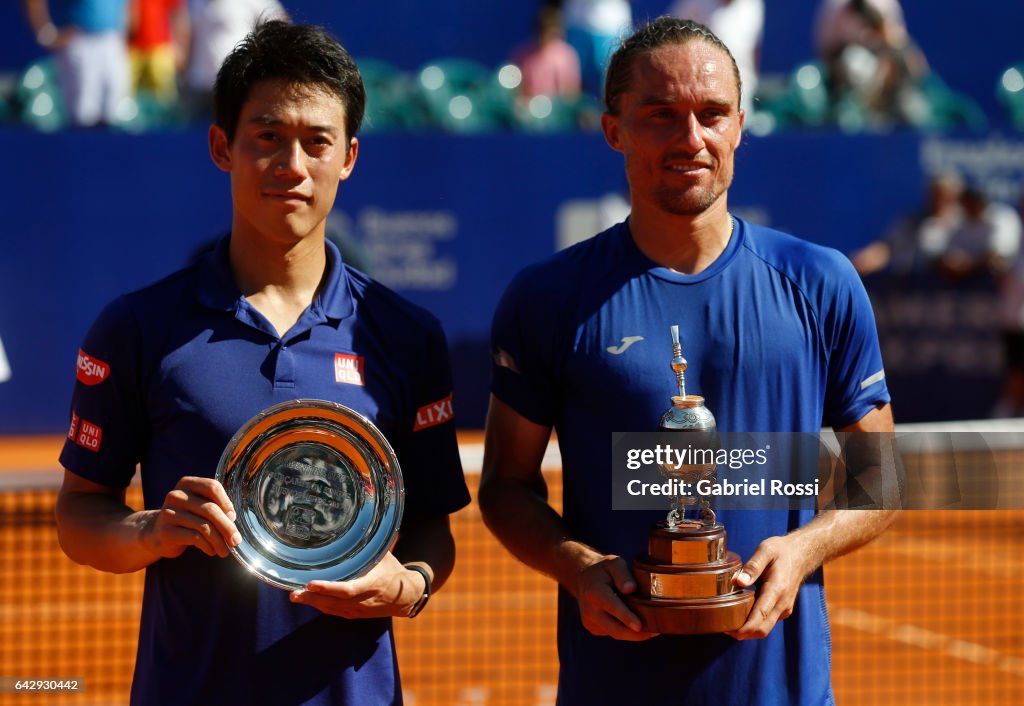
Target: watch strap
(421, 602)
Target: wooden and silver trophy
(686, 581)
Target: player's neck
(686, 244)
(260, 262)
(279, 279)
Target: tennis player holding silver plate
(258, 328)
(318, 491)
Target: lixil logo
(434, 413)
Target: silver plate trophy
(317, 491)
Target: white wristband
(47, 34)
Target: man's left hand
(389, 589)
(781, 565)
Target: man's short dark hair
(656, 33)
(303, 55)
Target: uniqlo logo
(89, 436)
(349, 368)
(434, 413)
(73, 429)
(90, 370)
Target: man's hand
(63, 37)
(53, 38)
(389, 589)
(782, 566)
(197, 513)
(599, 590)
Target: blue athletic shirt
(166, 376)
(93, 16)
(779, 336)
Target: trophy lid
(687, 412)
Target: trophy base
(687, 581)
(693, 616)
(688, 542)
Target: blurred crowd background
(891, 131)
(860, 65)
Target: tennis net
(928, 613)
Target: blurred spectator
(217, 25)
(594, 28)
(5, 368)
(916, 241)
(1011, 402)
(739, 24)
(549, 64)
(870, 59)
(87, 38)
(987, 241)
(158, 43)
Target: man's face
(289, 154)
(678, 126)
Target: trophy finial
(678, 361)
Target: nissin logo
(90, 370)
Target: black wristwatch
(421, 602)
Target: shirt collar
(217, 288)
(336, 298)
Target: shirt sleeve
(428, 450)
(523, 343)
(106, 433)
(856, 375)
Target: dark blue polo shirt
(166, 376)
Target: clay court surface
(930, 613)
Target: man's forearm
(37, 13)
(104, 533)
(833, 533)
(428, 542)
(533, 532)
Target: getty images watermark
(782, 471)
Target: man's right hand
(599, 590)
(513, 501)
(197, 513)
(52, 38)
